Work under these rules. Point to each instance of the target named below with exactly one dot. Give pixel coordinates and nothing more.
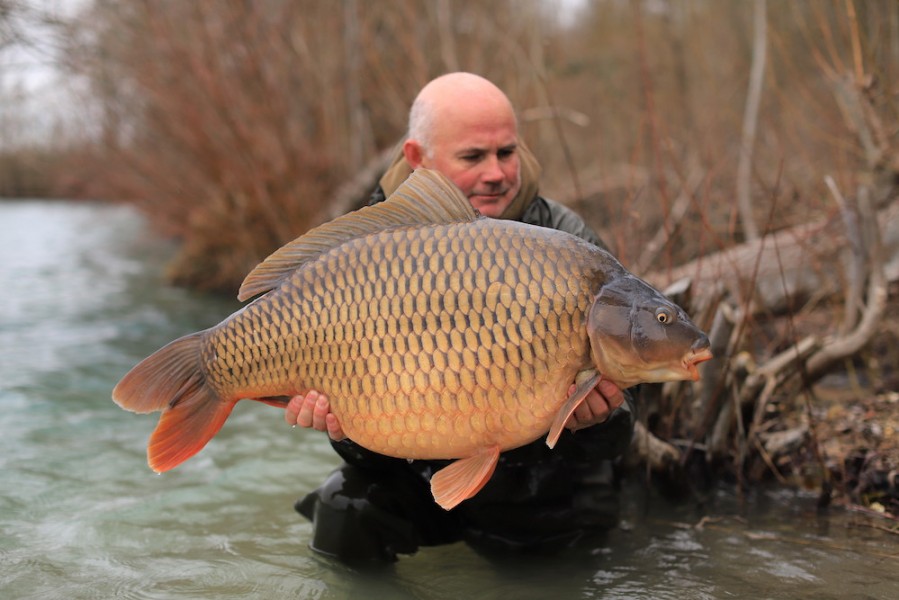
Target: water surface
(83, 298)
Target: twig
(657, 454)
(852, 342)
(750, 120)
(447, 38)
(767, 458)
(651, 113)
(539, 113)
(672, 220)
(714, 373)
(856, 267)
(540, 72)
(856, 43)
(871, 513)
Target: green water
(83, 298)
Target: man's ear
(414, 153)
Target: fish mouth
(694, 358)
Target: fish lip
(694, 358)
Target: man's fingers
(597, 405)
(584, 412)
(334, 430)
(320, 412)
(314, 410)
(611, 392)
(293, 410)
(305, 415)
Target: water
(83, 298)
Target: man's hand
(313, 410)
(597, 406)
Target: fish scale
(389, 345)
(434, 332)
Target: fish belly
(430, 342)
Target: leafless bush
(232, 124)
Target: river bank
(850, 428)
(840, 437)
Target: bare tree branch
(669, 227)
(840, 347)
(750, 120)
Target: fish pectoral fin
(463, 478)
(585, 381)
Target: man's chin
(489, 206)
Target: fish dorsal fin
(426, 197)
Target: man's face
(477, 149)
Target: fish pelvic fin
(426, 197)
(585, 381)
(463, 478)
(170, 380)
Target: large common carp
(435, 332)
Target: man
(374, 506)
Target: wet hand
(313, 410)
(597, 406)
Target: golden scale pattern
(395, 324)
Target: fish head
(637, 335)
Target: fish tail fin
(170, 380)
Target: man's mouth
(490, 196)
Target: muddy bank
(836, 437)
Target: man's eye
(471, 157)
(506, 153)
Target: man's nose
(493, 172)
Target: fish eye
(664, 315)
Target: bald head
(454, 96)
(464, 126)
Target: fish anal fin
(585, 381)
(464, 478)
(184, 429)
(426, 197)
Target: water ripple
(82, 516)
